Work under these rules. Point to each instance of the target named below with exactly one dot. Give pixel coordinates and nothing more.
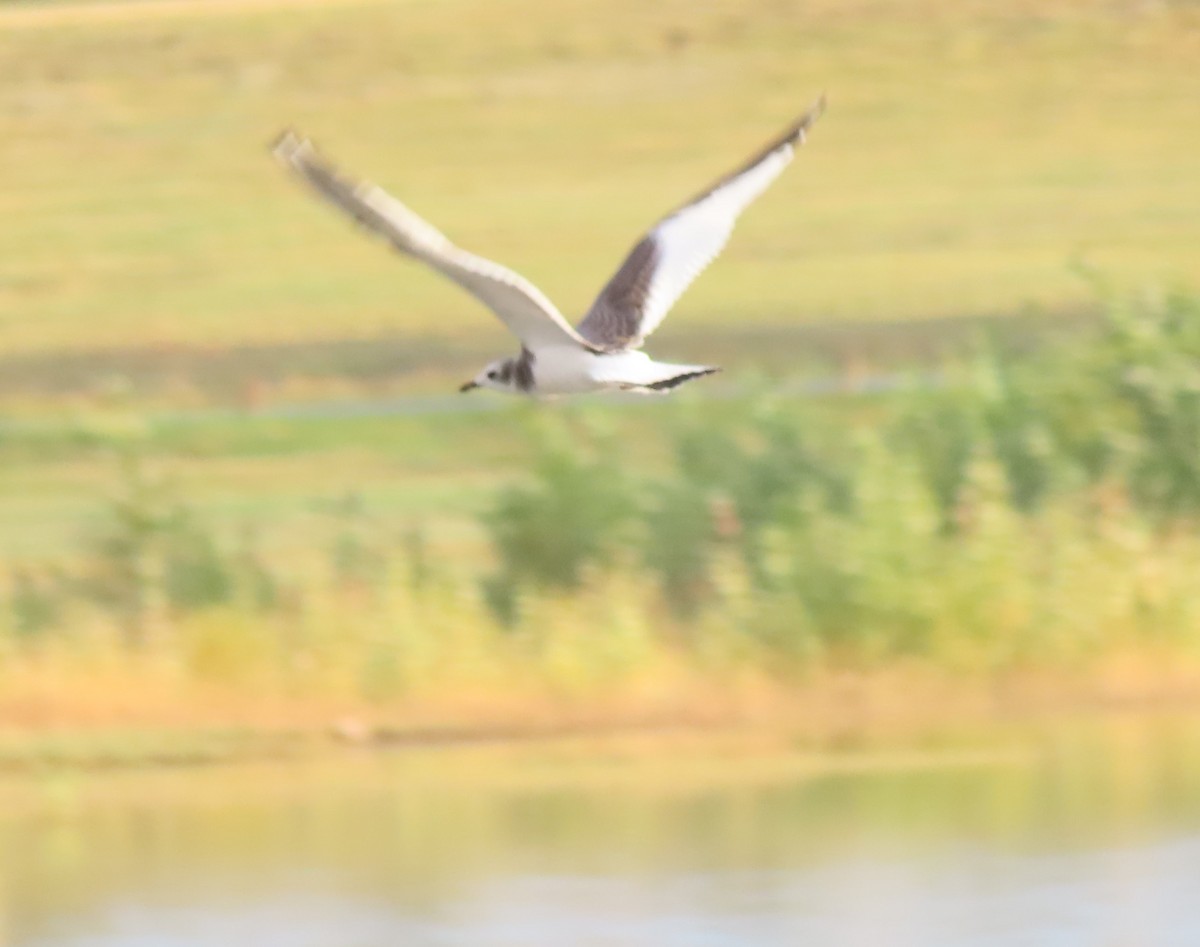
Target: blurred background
(900, 610)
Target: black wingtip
(815, 111)
(675, 381)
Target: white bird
(603, 352)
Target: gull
(603, 352)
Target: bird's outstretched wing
(678, 248)
(520, 305)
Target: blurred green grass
(1034, 512)
(971, 155)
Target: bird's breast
(562, 371)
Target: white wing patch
(689, 240)
(526, 311)
(670, 257)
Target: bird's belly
(569, 371)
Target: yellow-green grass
(969, 155)
(47, 510)
(279, 476)
(412, 665)
(971, 151)
(1089, 600)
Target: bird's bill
(468, 386)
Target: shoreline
(826, 713)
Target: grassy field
(1022, 535)
(153, 254)
(970, 152)
(160, 278)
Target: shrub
(940, 429)
(1153, 367)
(35, 603)
(568, 518)
(1009, 511)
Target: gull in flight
(603, 351)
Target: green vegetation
(1037, 479)
(170, 556)
(1026, 510)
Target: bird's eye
(492, 375)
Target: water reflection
(1095, 840)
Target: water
(1091, 841)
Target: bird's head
(499, 375)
